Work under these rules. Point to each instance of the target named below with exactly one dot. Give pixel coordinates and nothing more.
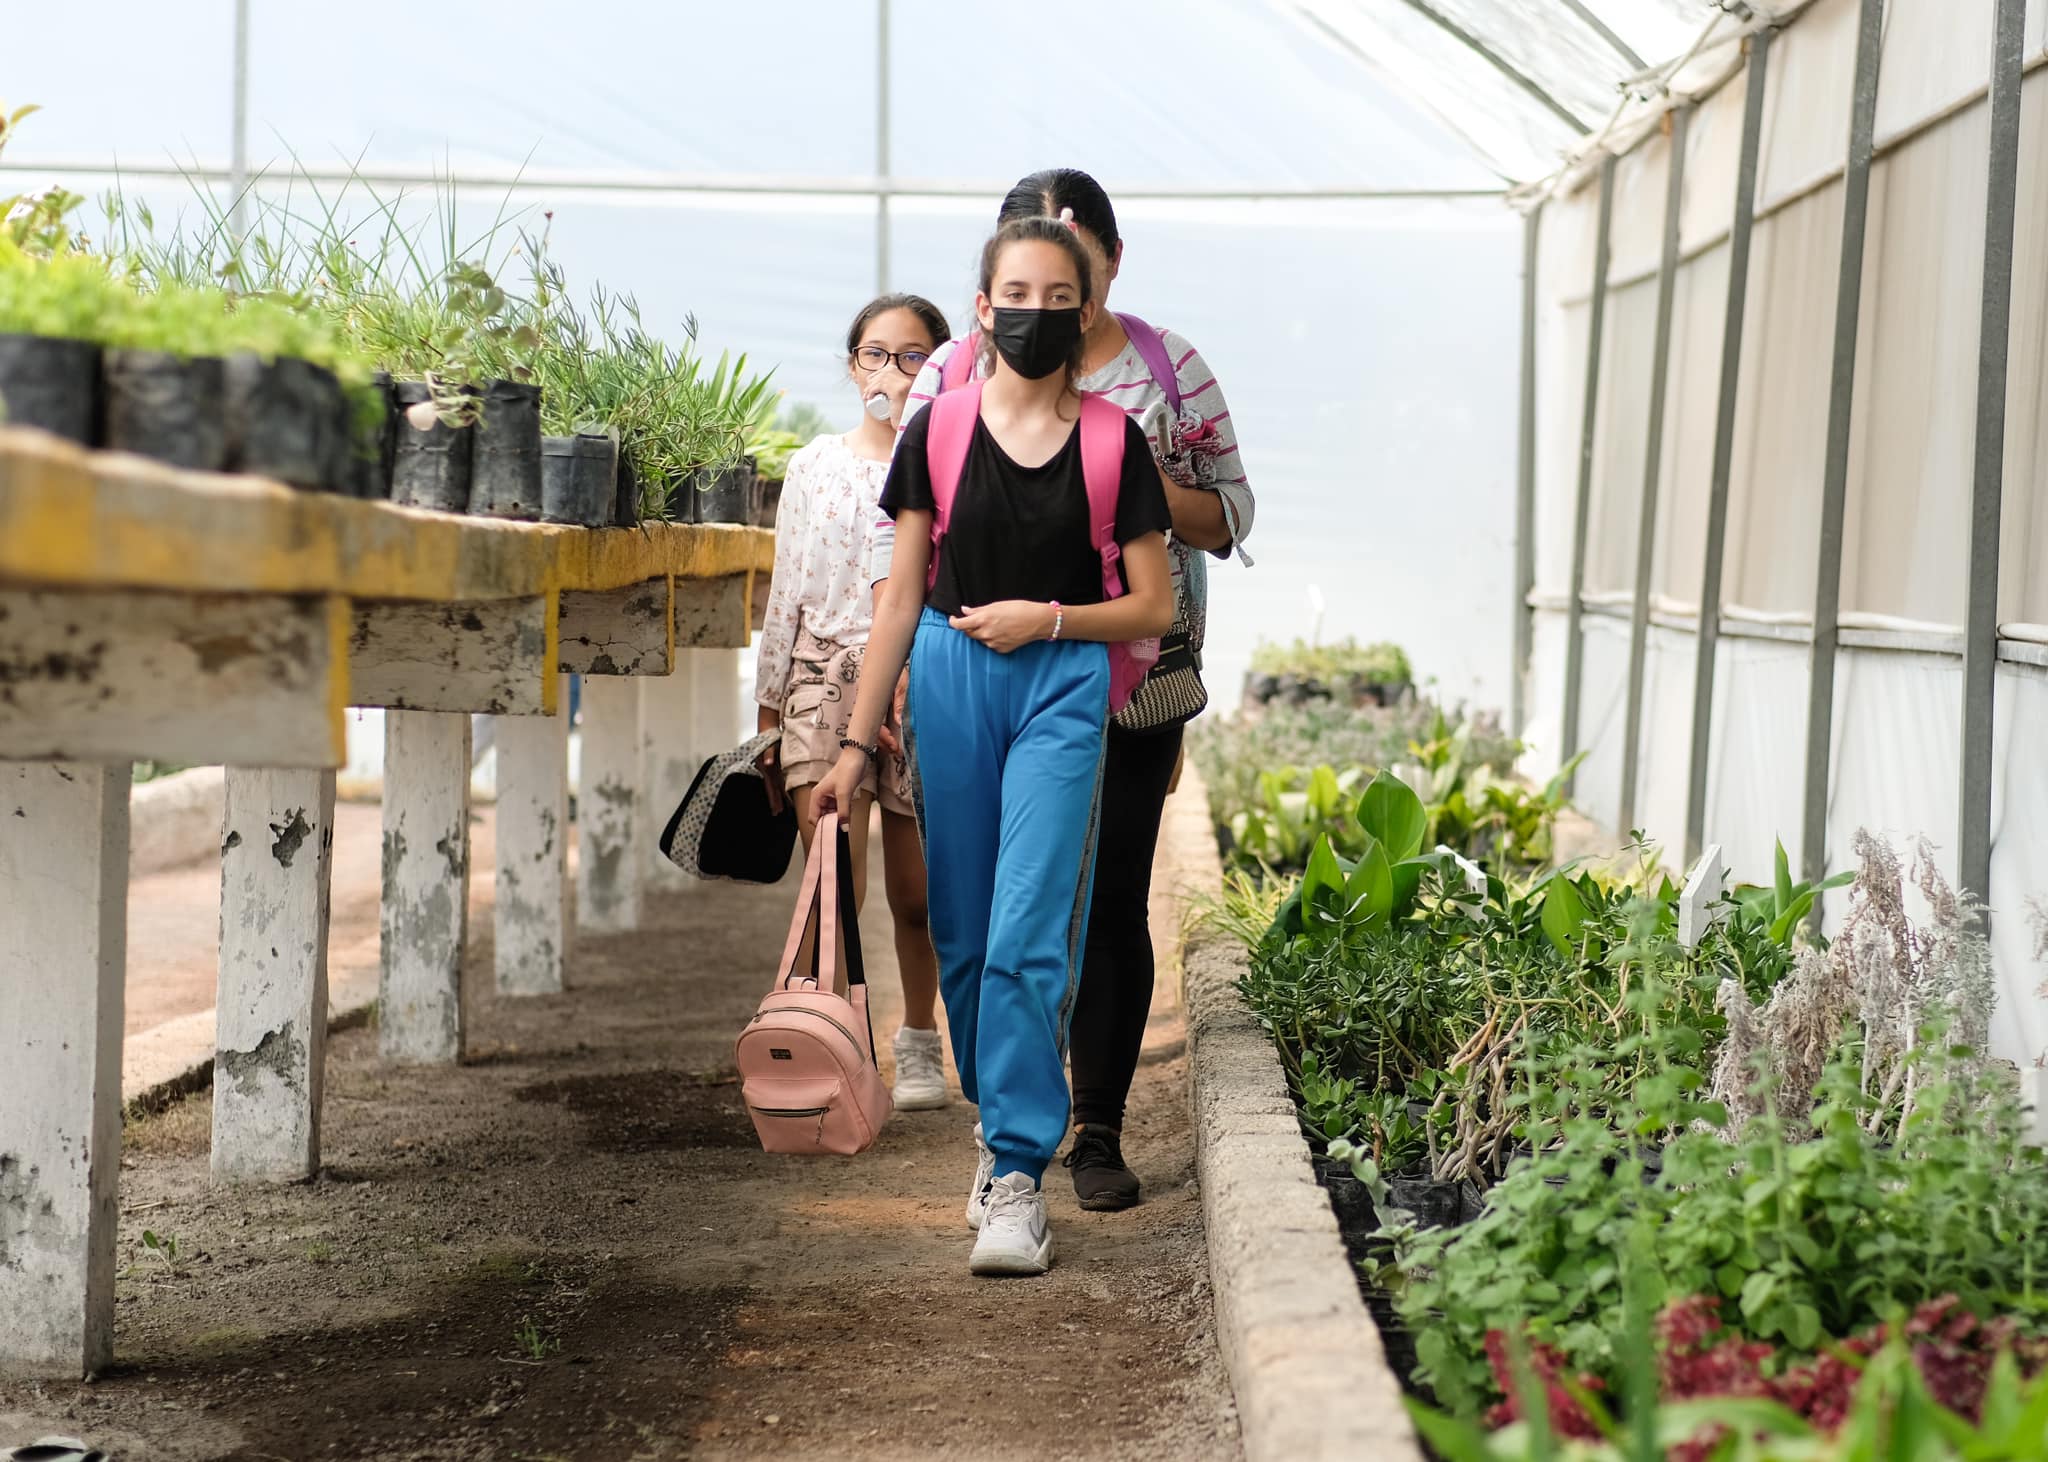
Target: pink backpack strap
(960, 363)
(1102, 468)
(819, 899)
(953, 417)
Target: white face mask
(879, 406)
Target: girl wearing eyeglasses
(814, 637)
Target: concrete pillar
(276, 858)
(63, 959)
(715, 689)
(669, 759)
(610, 865)
(535, 907)
(426, 885)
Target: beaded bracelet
(1059, 618)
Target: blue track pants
(1006, 757)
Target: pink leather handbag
(807, 1058)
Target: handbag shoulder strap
(806, 911)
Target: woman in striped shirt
(1211, 503)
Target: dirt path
(571, 1247)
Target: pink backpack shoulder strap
(959, 363)
(952, 428)
(1102, 468)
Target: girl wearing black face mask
(1166, 387)
(1008, 704)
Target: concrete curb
(175, 820)
(1304, 1355)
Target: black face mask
(1036, 343)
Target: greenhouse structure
(1593, 959)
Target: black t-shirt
(1022, 532)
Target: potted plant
(165, 378)
(51, 317)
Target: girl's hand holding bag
(807, 1058)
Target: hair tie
(1067, 218)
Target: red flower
(1567, 1417)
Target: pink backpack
(807, 1058)
(1148, 342)
(1102, 464)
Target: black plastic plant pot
(722, 497)
(768, 500)
(163, 407)
(372, 440)
(579, 478)
(52, 385)
(286, 419)
(505, 471)
(430, 464)
(626, 511)
(1434, 1204)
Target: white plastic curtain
(1896, 743)
(1523, 81)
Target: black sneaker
(1101, 1181)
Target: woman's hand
(770, 764)
(1008, 624)
(891, 732)
(836, 791)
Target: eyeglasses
(873, 358)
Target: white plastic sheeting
(1522, 80)
(1897, 722)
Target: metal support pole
(1472, 42)
(1709, 633)
(1525, 483)
(238, 142)
(882, 223)
(1827, 597)
(1980, 619)
(1646, 527)
(1574, 647)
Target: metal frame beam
(1827, 597)
(1709, 631)
(1646, 525)
(882, 189)
(1501, 64)
(1525, 483)
(719, 184)
(1606, 33)
(1574, 648)
(1980, 618)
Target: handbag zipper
(789, 1111)
(816, 1015)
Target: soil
(571, 1246)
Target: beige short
(816, 709)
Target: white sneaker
(920, 1070)
(984, 1174)
(1015, 1237)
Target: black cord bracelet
(848, 743)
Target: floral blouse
(824, 528)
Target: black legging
(1116, 970)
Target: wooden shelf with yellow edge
(148, 613)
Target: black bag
(724, 828)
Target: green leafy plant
(1783, 905)
(1337, 664)
(535, 1343)
(164, 1248)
